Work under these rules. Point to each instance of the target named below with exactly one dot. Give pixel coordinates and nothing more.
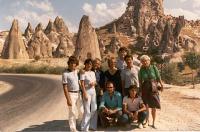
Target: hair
(96, 59)
(128, 56)
(87, 61)
(132, 87)
(110, 59)
(109, 82)
(123, 49)
(73, 59)
(145, 57)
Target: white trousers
(90, 107)
(77, 106)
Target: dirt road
(37, 103)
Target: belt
(74, 91)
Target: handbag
(153, 83)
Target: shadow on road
(62, 125)
(55, 125)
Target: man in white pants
(72, 93)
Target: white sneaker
(140, 126)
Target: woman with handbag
(149, 78)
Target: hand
(110, 112)
(135, 115)
(69, 102)
(92, 84)
(105, 110)
(101, 92)
(161, 87)
(85, 97)
(130, 115)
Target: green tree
(193, 61)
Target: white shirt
(88, 77)
(130, 76)
(71, 79)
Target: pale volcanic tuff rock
(87, 45)
(60, 26)
(52, 34)
(28, 32)
(14, 47)
(38, 27)
(39, 46)
(60, 38)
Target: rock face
(39, 46)
(60, 26)
(28, 32)
(60, 38)
(14, 47)
(145, 23)
(87, 45)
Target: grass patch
(27, 68)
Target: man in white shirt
(72, 93)
(129, 75)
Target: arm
(158, 77)
(83, 90)
(123, 82)
(67, 96)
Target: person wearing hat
(134, 108)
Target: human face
(145, 63)
(122, 54)
(88, 66)
(112, 63)
(110, 88)
(72, 66)
(132, 93)
(129, 62)
(96, 64)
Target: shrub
(170, 74)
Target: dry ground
(180, 111)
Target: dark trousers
(107, 120)
(141, 117)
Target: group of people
(120, 95)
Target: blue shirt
(112, 103)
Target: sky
(99, 11)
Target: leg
(103, 119)
(80, 108)
(147, 118)
(153, 112)
(142, 116)
(94, 115)
(124, 119)
(72, 114)
(86, 116)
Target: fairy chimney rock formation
(50, 27)
(28, 32)
(87, 45)
(39, 46)
(38, 27)
(60, 26)
(14, 47)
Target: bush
(43, 69)
(170, 74)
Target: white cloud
(196, 3)
(43, 5)
(30, 16)
(34, 17)
(179, 12)
(102, 13)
